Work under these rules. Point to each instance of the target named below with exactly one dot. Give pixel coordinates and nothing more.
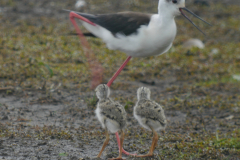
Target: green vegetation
(38, 56)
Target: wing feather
(126, 23)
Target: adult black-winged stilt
(150, 115)
(136, 34)
(112, 116)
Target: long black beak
(180, 9)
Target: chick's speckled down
(113, 111)
(150, 110)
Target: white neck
(164, 10)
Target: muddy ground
(47, 107)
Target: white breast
(99, 116)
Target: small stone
(229, 117)
(215, 51)
(80, 4)
(193, 43)
(236, 77)
(5, 117)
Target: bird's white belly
(150, 40)
(99, 116)
(150, 49)
(145, 43)
(112, 126)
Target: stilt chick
(111, 115)
(150, 115)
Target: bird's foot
(129, 154)
(97, 157)
(146, 155)
(133, 155)
(118, 158)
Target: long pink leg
(109, 84)
(118, 71)
(95, 66)
(72, 17)
(84, 42)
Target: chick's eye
(174, 1)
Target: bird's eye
(174, 1)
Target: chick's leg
(104, 144)
(154, 144)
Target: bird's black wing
(126, 23)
